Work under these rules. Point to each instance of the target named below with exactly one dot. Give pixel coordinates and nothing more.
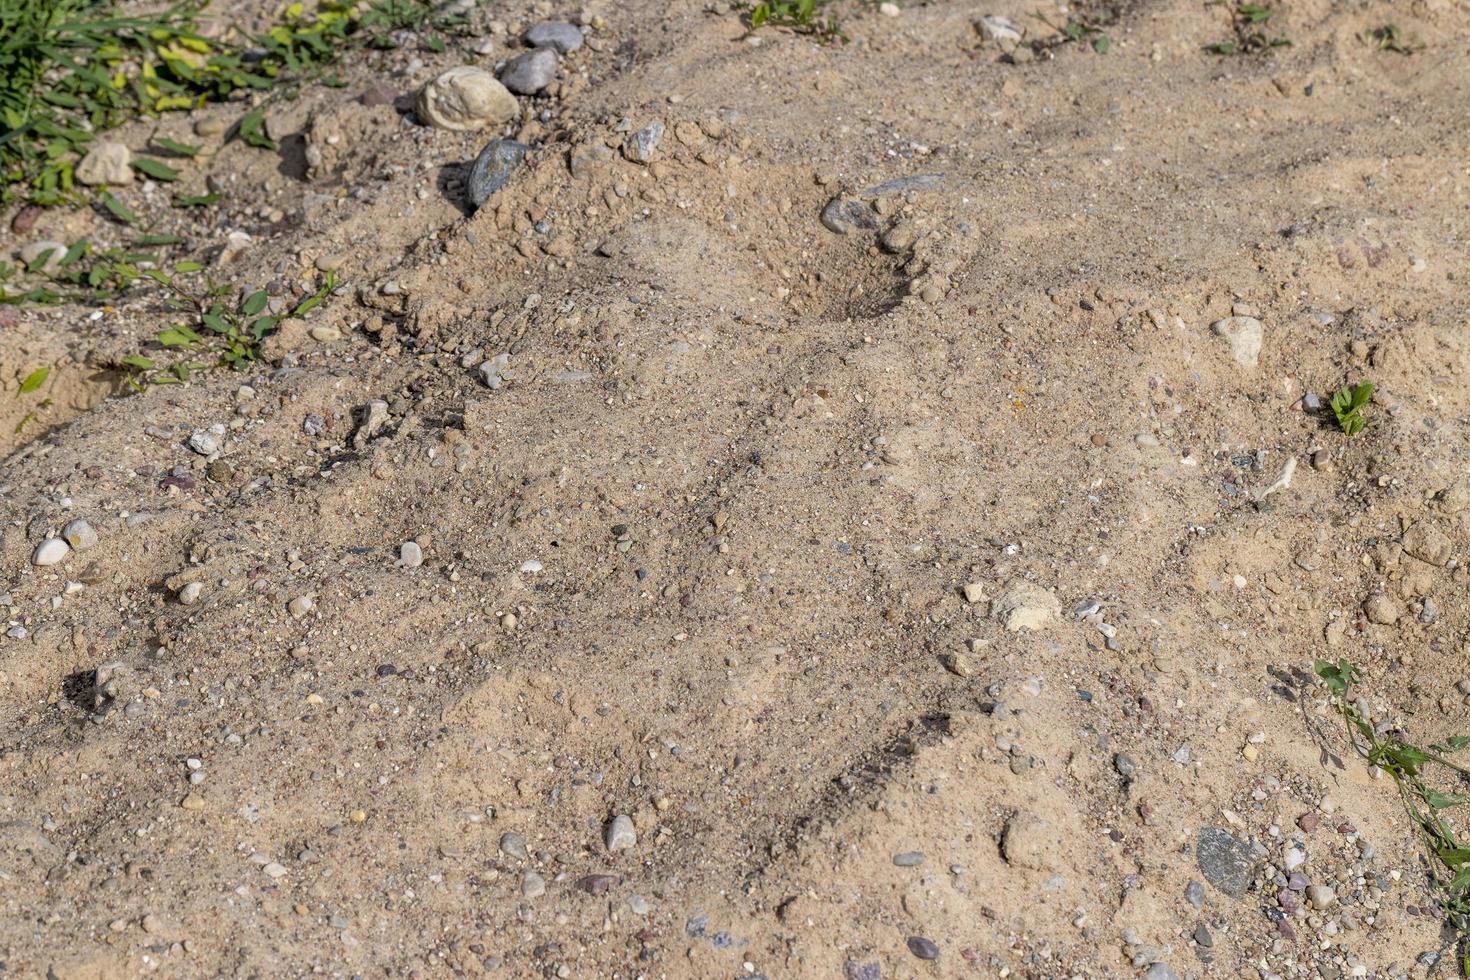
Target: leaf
(116, 209)
(1452, 744)
(1441, 801)
(33, 381)
(195, 200)
(186, 267)
(178, 336)
(149, 241)
(138, 361)
(251, 129)
(254, 303)
(156, 169)
(173, 146)
(1101, 44)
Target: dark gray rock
(555, 34)
(529, 73)
(492, 168)
(1226, 861)
(924, 949)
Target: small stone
(1428, 543)
(513, 845)
(378, 93)
(49, 552)
(1245, 335)
(192, 802)
(301, 606)
(492, 168)
(1194, 894)
(275, 869)
(974, 592)
(529, 73)
(1025, 605)
(598, 884)
(1308, 822)
(532, 885)
(924, 949)
(206, 442)
(1250, 753)
(908, 859)
(1160, 971)
(106, 163)
(640, 147)
(1202, 936)
(1226, 861)
(465, 98)
(555, 34)
(80, 535)
(190, 593)
(46, 252)
(1030, 842)
(993, 27)
(1321, 896)
(620, 835)
(958, 664)
(844, 215)
(1125, 765)
(410, 555)
(1382, 610)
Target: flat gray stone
(844, 215)
(555, 34)
(1226, 861)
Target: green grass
(802, 16)
(1425, 803)
(1250, 22)
(70, 69)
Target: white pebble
(50, 551)
(410, 555)
(620, 835)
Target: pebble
(640, 147)
(106, 163)
(555, 34)
(1125, 765)
(1321, 896)
(1194, 894)
(532, 885)
(190, 593)
(513, 845)
(301, 606)
(1160, 971)
(1226, 861)
(49, 552)
(378, 93)
(993, 27)
(53, 250)
(620, 835)
(924, 949)
(1025, 605)
(80, 535)
(206, 442)
(492, 168)
(844, 215)
(410, 555)
(1202, 936)
(529, 73)
(465, 98)
(1245, 335)
(958, 664)
(908, 859)
(974, 592)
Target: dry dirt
(729, 550)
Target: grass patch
(70, 69)
(1425, 802)
(802, 16)
(1348, 404)
(1251, 22)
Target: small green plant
(230, 334)
(1388, 38)
(802, 16)
(31, 383)
(1425, 803)
(1078, 31)
(1250, 21)
(1347, 406)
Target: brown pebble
(25, 219)
(1308, 822)
(1098, 439)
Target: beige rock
(1031, 842)
(1382, 610)
(1025, 605)
(465, 98)
(1245, 335)
(106, 163)
(1428, 543)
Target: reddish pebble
(1308, 822)
(25, 219)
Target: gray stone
(555, 34)
(206, 442)
(844, 215)
(908, 859)
(1226, 861)
(641, 146)
(1321, 896)
(924, 949)
(898, 185)
(492, 168)
(49, 552)
(514, 845)
(1160, 971)
(80, 535)
(532, 885)
(1194, 894)
(620, 835)
(529, 73)
(1245, 336)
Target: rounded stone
(555, 34)
(106, 164)
(50, 551)
(465, 98)
(80, 535)
(529, 73)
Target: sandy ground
(734, 548)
